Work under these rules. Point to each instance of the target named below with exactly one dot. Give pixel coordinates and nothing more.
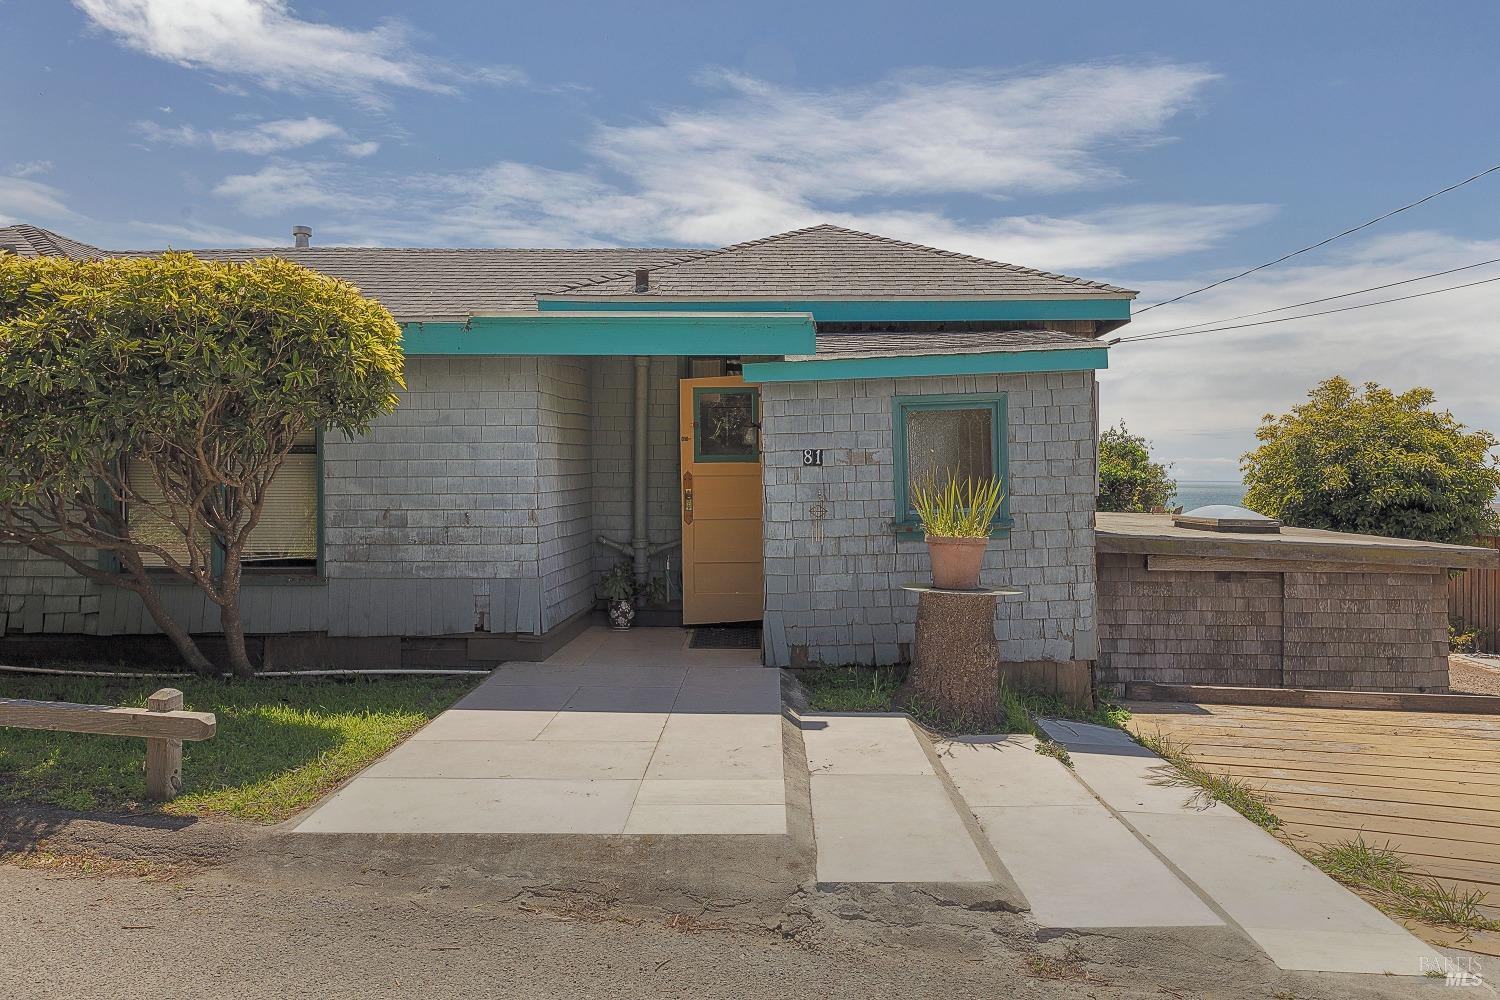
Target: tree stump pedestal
(955, 668)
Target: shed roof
(1156, 534)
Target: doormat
(725, 637)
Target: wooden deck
(1425, 784)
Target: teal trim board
(869, 310)
(592, 333)
(999, 363)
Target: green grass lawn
(873, 689)
(281, 743)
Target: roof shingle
(34, 241)
(828, 261)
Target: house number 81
(812, 456)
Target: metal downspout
(640, 542)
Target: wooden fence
(162, 724)
(1474, 600)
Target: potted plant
(956, 519)
(618, 587)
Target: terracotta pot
(956, 561)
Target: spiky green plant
(957, 510)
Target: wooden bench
(162, 724)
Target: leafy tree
(1129, 480)
(1374, 462)
(204, 371)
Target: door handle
(687, 498)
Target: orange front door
(721, 501)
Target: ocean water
(1193, 493)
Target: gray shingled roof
(876, 344)
(33, 241)
(832, 262)
(421, 283)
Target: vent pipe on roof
(642, 280)
(302, 237)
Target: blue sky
(1152, 145)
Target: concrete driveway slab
(862, 744)
(625, 727)
(634, 730)
(460, 724)
(1131, 782)
(712, 791)
(995, 771)
(891, 828)
(532, 696)
(734, 747)
(475, 805)
(514, 759)
(701, 817)
(1080, 867)
(1301, 918)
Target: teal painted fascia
(999, 363)
(873, 310)
(712, 334)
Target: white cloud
(192, 234)
(31, 168)
(280, 186)
(888, 157)
(265, 41)
(23, 200)
(1200, 398)
(362, 149)
(280, 136)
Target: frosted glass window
(944, 442)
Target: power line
(1324, 243)
(1287, 319)
(1310, 302)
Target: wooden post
(955, 670)
(163, 756)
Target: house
(741, 423)
(747, 417)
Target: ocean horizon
(1194, 493)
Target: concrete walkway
(1300, 917)
(880, 811)
(631, 734)
(1077, 864)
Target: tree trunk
(186, 647)
(955, 671)
(229, 617)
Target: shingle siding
(1371, 631)
(833, 588)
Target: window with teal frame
(935, 435)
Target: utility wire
(1324, 243)
(1287, 319)
(1309, 302)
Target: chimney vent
(302, 237)
(642, 280)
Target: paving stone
(995, 771)
(712, 791)
(1081, 867)
(1301, 918)
(474, 805)
(528, 697)
(519, 759)
(891, 828)
(628, 727)
(706, 818)
(459, 724)
(862, 744)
